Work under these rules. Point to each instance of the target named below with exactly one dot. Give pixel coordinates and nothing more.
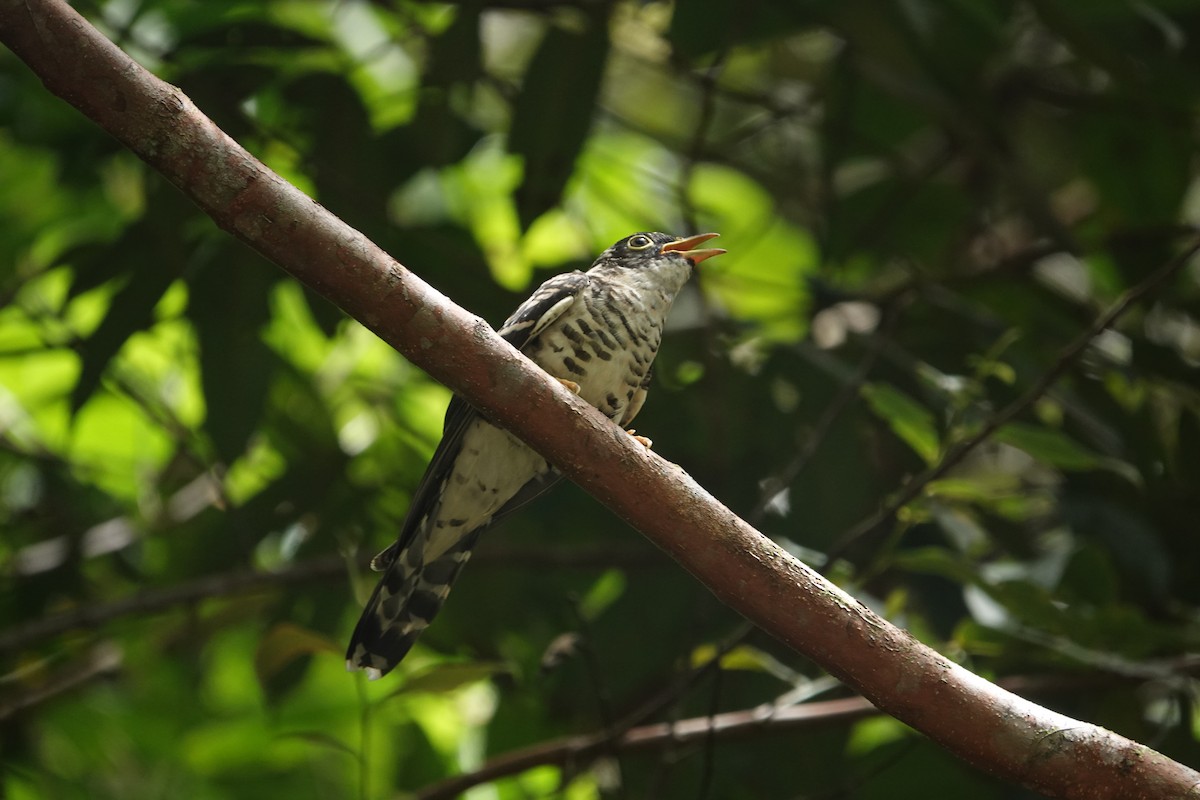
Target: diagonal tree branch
(989, 727)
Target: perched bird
(596, 331)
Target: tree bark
(993, 729)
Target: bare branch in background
(103, 660)
(765, 719)
(234, 584)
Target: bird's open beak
(686, 247)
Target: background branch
(233, 584)
(104, 659)
(765, 719)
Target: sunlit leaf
(872, 733)
(907, 418)
(602, 594)
(763, 280)
(741, 657)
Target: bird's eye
(639, 242)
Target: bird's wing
(459, 416)
(544, 306)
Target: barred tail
(408, 597)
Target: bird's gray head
(656, 259)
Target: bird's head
(642, 249)
(657, 257)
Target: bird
(598, 333)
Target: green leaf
(554, 111)
(907, 418)
(1050, 446)
(151, 255)
(743, 657)
(936, 561)
(229, 308)
(979, 489)
(1089, 577)
(607, 589)
(1029, 604)
(982, 640)
(871, 734)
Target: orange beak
(686, 247)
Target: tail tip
(373, 673)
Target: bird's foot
(572, 386)
(642, 440)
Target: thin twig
(104, 659)
(573, 749)
(228, 584)
(155, 600)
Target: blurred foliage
(923, 203)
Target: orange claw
(642, 440)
